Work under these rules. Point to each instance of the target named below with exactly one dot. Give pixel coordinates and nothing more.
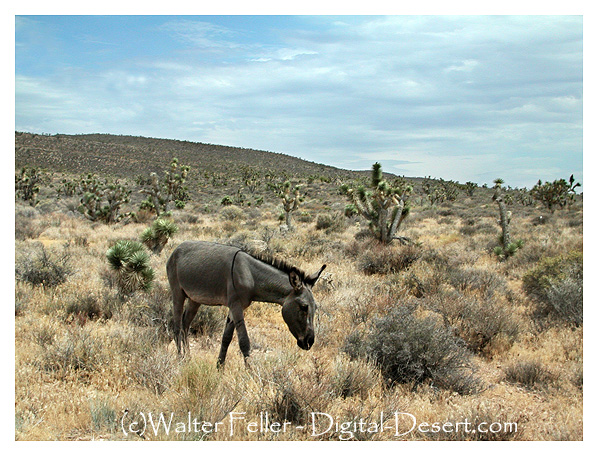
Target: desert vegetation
(418, 312)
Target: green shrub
(412, 349)
(557, 285)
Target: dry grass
(85, 358)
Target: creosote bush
(412, 349)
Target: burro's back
(205, 273)
(202, 270)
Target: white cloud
(452, 97)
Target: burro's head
(299, 307)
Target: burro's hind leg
(188, 315)
(178, 304)
(227, 337)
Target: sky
(467, 98)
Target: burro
(205, 273)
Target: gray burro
(215, 274)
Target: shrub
(305, 217)
(353, 378)
(196, 382)
(411, 349)
(477, 279)
(232, 213)
(41, 267)
(480, 323)
(557, 284)
(529, 373)
(76, 351)
(155, 370)
(90, 306)
(104, 416)
(380, 259)
(330, 223)
(131, 264)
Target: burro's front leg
(227, 337)
(242, 334)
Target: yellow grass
(104, 398)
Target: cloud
(455, 97)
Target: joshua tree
(130, 262)
(102, 200)
(557, 193)
(170, 189)
(27, 184)
(291, 201)
(470, 187)
(507, 248)
(384, 206)
(157, 235)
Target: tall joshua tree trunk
(504, 221)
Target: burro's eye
(303, 307)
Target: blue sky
(469, 98)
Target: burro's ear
(296, 281)
(311, 280)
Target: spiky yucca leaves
(130, 262)
(384, 205)
(157, 235)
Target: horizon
(463, 98)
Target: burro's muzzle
(307, 342)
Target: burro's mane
(278, 263)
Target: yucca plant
(291, 199)
(157, 235)
(130, 262)
(170, 189)
(384, 205)
(507, 248)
